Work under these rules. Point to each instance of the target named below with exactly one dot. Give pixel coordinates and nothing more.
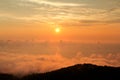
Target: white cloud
(55, 3)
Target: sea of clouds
(32, 63)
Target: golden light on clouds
(44, 35)
(73, 19)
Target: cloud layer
(55, 11)
(29, 63)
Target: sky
(78, 20)
(64, 21)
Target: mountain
(77, 72)
(4, 76)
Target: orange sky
(85, 21)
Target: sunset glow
(44, 35)
(81, 20)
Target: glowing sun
(57, 30)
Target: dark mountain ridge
(75, 72)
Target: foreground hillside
(76, 72)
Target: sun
(57, 30)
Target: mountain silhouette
(4, 76)
(75, 72)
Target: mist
(38, 57)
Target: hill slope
(76, 72)
(79, 72)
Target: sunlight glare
(57, 30)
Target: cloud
(46, 2)
(87, 23)
(28, 63)
(80, 13)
